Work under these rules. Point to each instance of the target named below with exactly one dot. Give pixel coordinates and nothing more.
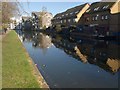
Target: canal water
(68, 63)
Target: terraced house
(70, 16)
(104, 16)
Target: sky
(52, 7)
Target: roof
(58, 15)
(26, 18)
(77, 8)
(99, 6)
(41, 13)
(36, 13)
(74, 10)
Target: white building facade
(46, 19)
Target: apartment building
(41, 19)
(46, 19)
(35, 20)
(70, 16)
(103, 14)
(26, 22)
(56, 19)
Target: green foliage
(16, 69)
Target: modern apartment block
(103, 14)
(70, 16)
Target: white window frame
(66, 14)
(64, 20)
(93, 18)
(96, 9)
(61, 21)
(69, 20)
(102, 17)
(105, 7)
(74, 20)
(71, 13)
(76, 12)
(96, 18)
(106, 17)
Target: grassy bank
(16, 69)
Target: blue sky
(53, 7)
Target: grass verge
(16, 69)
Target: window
(71, 13)
(93, 18)
(76, 12)
(87, 19)
(97, 15)
(62, 15)
(74, 20)
(67, 14)
(106, 17)
(64, 21)
(96, 18)
(96, 9)
(105, 7)
(69, 20)
(102, 17)
(61, 21)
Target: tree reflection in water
(42, 41)
(101, 53)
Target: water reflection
(79, 61)
(42, 41)
(101, 53)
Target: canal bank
(18, 70)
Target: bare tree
(9, 9)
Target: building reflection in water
(100, 53)
(42, 41)
(27, 36)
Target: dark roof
(57, 15)
(77, 8)
(99, 6)
(68, 11)
(36, 13)
(26, 18)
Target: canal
(68, 63)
